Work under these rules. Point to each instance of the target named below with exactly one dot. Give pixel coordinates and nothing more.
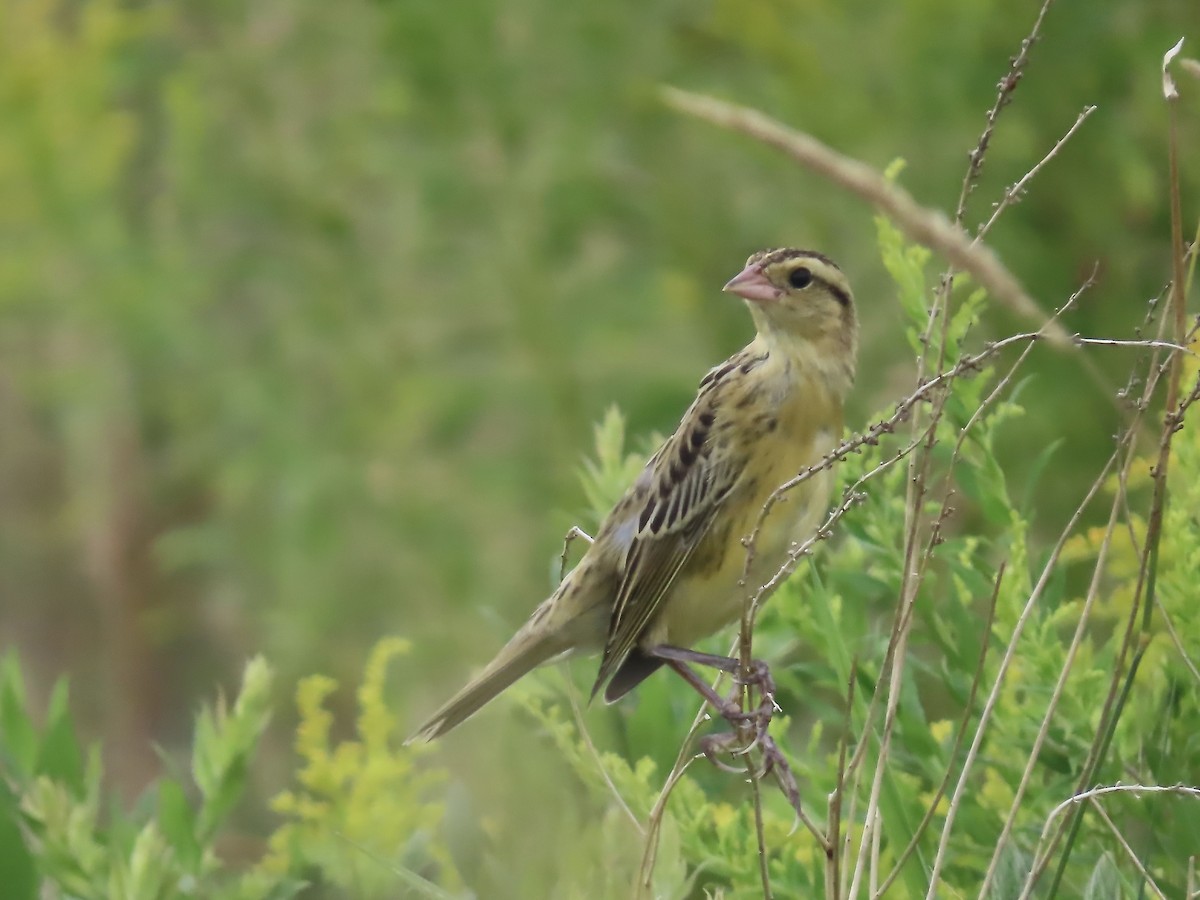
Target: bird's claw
(713, 744)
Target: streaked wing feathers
(686, 486)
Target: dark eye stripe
(838, 293)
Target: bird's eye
(800, 278)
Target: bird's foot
(751, 726)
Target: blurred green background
(307, 309)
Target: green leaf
(1105, 881)
(1029, 500)
(984, 483)
(177, 820)
(60, 756)
(906, 264)
(1010, 872)
(18, 874)
(18, 740)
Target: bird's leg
(574, 532)
(730, 710)
(757, 675)
(750, 728)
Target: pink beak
(751, 284)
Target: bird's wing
(667, 513)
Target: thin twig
(654, 823)
(925, 226)
(1155, 372)
(1006, 661)
(1017, 190)
(1144, 593)
(1177, 640)
(1136, 635)
(1056, 694)
(914, 572)
(968, 708)
(763, 871)
(586, 736)
(1137, 790)
(572, 533)
(1133, 857)
(1004, 91)
(833, 865)
(870, 437)
(1106, 342)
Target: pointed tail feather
(525, 652)
(636, 668)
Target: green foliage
(362, 814)
(305, 311)
(362, 818)
(367, 818)
(824, 626)
(71, 843)
(606, 477)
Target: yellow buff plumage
(663, 570)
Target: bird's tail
(528, 649)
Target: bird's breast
(711, 594)
(795, 513)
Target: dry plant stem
(1056, 694)
(871, 436)
(764, 874)
(1104, 342)
(849, 498)
(574, 532)
(912, 579)
(1177, 641)
(654, 825)
(682, 760)
(585, 734)
(922, 225)
(1135, 641)
(873, 881)
(1017, 190)
(576, 710)
(895, 653)
(1144, 593)
(1177, 256)
(834, 814)
(968, 707)
(1004, 92)
(1133, 857)
(999, 388)
(918, 468)
(1006, 661)
(1138, 790)
(750, 728)
(915, 574)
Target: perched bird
(663, 570)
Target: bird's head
(801, 301)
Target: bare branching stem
(1004, 93)
(925, 226)
(853, 856)
(1137, 634)
(1017, 190)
